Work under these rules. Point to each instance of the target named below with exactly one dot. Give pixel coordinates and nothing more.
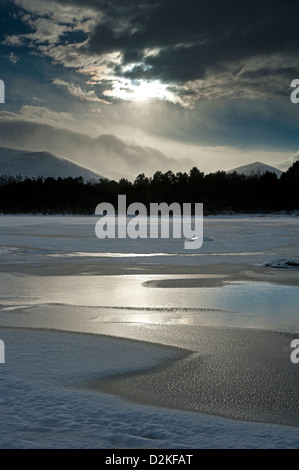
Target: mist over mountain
(106, 153)
(29, 164)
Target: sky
(134, 86)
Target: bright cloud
(76, 91)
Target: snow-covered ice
(239, 239)
(56, 275)
(46, 402)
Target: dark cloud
(176, 42)
(268, 72)
(193, 35)
(179, 42)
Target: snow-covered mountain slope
(256, 168)
(33, 164)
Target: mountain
(33, 164)
(256, 168)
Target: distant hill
(33, 164)
(256, 168)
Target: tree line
(219, 192)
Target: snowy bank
(45, 402)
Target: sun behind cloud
(146, 90)
(141, 90)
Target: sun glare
(141, 91)
(146, 90)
